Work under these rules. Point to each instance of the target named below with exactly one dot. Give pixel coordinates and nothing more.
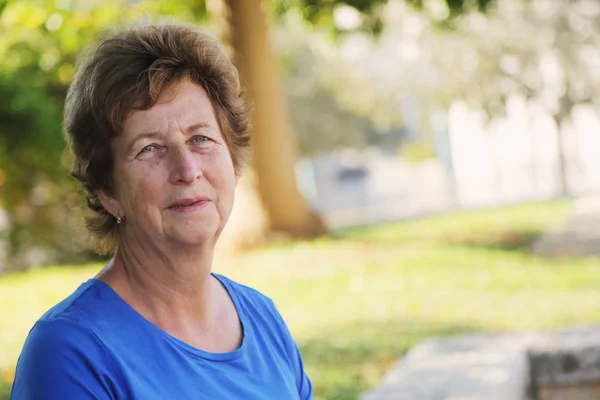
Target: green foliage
(357, 303)
(4, 389)
(458, 6)
(37, 62)
(317, 10)
(320, 12)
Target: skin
(171, 152)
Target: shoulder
(63, 353)
(65, 358)
(85, 302)
(247, 295)
(67, 331)
(67, 327)
(52, 339)
(259, 310)
(274, 332)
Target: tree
(273, 141)
(274, 145)
(540, 50)
(37, 62)
(558, 70)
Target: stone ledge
(565, 367)
(492, 366)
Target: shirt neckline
(227, 356)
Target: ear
(110, 204)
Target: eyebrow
(155, 134)
(144, 135)
(197, 127)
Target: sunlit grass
(358, 302)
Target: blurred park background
(421, 168)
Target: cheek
(143, 190)
(221, 177)
(146, 193)
(228, 176)
(220, 168)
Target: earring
(120, 219)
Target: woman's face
(174, 177)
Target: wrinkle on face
(147, 183)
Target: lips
(188, 204)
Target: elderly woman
(159, 134)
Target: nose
(185, 169)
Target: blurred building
(513, 160)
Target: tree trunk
(562, 117)
(247, 226)
(273, 142)
(563, 187)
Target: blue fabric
(93, 345)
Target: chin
(196, 236)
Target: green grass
(358, 302)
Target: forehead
(182, 103)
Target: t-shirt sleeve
(62, 359)
(302, 381)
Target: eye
(148, 149)
(202, 142)
(199, 139)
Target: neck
(170, 286)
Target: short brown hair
(128, 70)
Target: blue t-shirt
(93, 345)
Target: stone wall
(553, 365)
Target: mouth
(189, 204)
